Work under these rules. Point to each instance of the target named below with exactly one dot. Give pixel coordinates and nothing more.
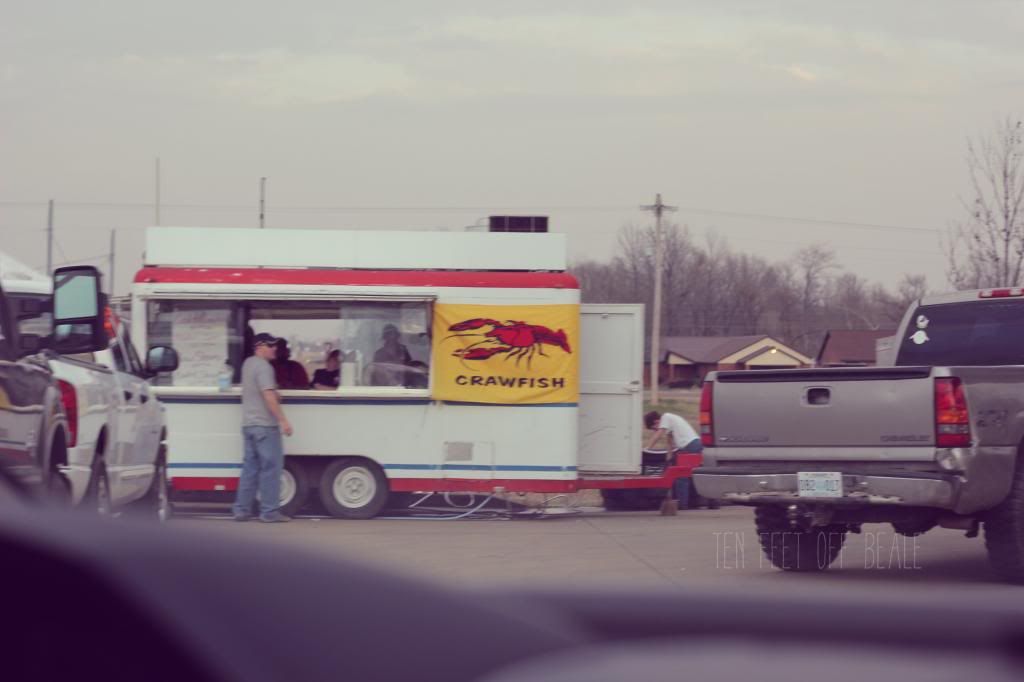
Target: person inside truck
(289, 373)
(681, 438)
(329, 378)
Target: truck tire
(793, 550)
(156, 503)
(1004, 531)
(353, 488)
(97, 494)
(294, 487)
(58, 487)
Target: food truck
(451, 361)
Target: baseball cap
(265, 339)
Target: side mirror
(30, 343)
(78, 310)
(161, 359)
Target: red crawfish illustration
(516, 339)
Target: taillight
(70, 402)
(707, 417)
(952, 420)
(109, 320)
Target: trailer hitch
(804, 518)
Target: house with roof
(851, 347)
(686, 360)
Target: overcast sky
(380, 115)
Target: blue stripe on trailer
(397, 467)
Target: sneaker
(275, 517)
(241, 517)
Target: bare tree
(986, 249)
(712, 290)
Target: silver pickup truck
(936, 439)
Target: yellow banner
(510, 354)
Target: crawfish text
(510, 382)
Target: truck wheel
(97, 494)
(156, 503)
(294, 487)
(353, 489)
(1004, 531)
(58, 487)
(794, 550)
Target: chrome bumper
(939, 491)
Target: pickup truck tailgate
(852, 407)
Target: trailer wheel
(791, 549)
(353, 488)
(295, 487)
(1004, 531)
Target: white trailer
(500, 380)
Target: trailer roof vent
(518, 223)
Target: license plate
(819, 483)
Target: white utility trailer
(465, 363)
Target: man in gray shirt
(263, 421)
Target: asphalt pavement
(695, 549)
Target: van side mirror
(161, 359)
(78, 310)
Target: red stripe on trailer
(664, 481)
(685, 464)
(318, 276)
(205, 484)
(480, 485)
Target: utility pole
(263, 200)
(49, 239)
(659, 208)
(113, 233)
(156, 203)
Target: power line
(374, 208)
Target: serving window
(326, 345)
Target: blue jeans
(681, 487)
(261, 469)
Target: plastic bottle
(227, 372)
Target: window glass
(133, 357)
(327, 344)
(3, 324)
(309, 332)
(386, 344)
(75, 295)
(32, 313)
(206, 336)
(120, 361)
(975, 333)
